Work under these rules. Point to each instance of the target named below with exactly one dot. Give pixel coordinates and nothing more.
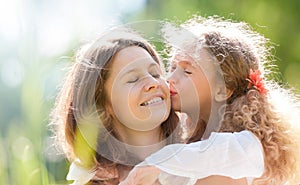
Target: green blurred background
(38, 38)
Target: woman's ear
(109, 109)
(222, 94)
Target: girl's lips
(173, 93)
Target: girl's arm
(225, 155)
(149, 175)
(146, 175)
(234, 155)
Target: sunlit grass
(34, 36)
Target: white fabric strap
(235, 155)
(80, 175)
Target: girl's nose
(171, 79)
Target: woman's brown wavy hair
(82, 102)
(272, 117)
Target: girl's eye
(187, 72)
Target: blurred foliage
(277, 20)
(27, 155)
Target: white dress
(235, 155)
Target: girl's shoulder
(244, 139)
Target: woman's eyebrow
(135, 70)
(129, 72)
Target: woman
(113, 109)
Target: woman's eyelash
(132, 81)
(156, 75)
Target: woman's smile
(155, 100)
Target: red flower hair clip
(255, 81)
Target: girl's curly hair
(271, 116)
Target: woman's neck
(141, 143)
(142, 138)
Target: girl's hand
(142, 175)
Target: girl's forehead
(200, 58)
(184, 57)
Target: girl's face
(138, 96)
(190, 84)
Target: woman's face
(138, 95)
(190, 84)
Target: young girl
(113, 109)
(253, 105)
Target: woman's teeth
(154, 100)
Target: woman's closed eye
(173, 68)
(155, 75)
(155, 72)
(133, 80)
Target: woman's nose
(151, 84)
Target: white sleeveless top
(235, 155)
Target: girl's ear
(222, 94)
